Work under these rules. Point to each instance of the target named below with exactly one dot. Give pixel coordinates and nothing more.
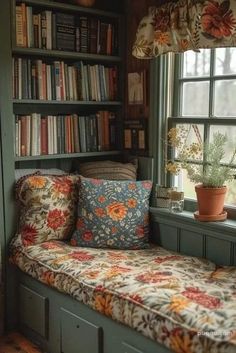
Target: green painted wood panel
(78, 335)
(219, 251)
(191, 243)
(168, 237)
(234, 256)
(33, 310)
(127, 348)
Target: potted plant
(210, 179)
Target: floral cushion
(47, 207)
(185, 303)
(112, 214)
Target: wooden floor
(16, 343)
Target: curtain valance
(184, 25)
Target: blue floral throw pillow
(112, 214)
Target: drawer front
(127, 348)
(33, 310)
(79, 335)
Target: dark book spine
(84, 34)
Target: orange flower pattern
(167, 297)
(178, 26)
(47, 207)
(117, 220)
(117, 211)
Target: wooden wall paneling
(168, 237)
(7, 152)
(219, 251)
(191, 243)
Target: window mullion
(212, 84)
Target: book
(65, 31)
(135, 135)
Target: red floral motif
(140, 231)
(200, 297)
(29, 233)
(80, 223)
(48, 277)
(160, 260)
(50, 245)
(132, 186)
(73, 242)
(87, 235)
(147, 184)
(81, 256)
(217, 19)
(63, 185)
(96, 181)
(154, 277)
(136, 298)
(161, 20)
(55, 219)
(101, 199)
(100, 212)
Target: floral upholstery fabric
(182, 25)
(112, 214)
(182, 302)
(47, 207)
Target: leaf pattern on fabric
(113, 214)
(47, 207)
(165, 296)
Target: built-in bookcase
(67, 80)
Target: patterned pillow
(48, 207)
(113, 214)
(109, 170)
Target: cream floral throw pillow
(47, 208)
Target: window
(205, 91)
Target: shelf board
(54, 102)
(70, 7)
(68, 155)
(66, 55)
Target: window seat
(184, 303)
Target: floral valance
(184, 25)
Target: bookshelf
(101, 56)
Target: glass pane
(231, 194)
(183, 183)
(190, 134)
(230, 145)
(225, 62)
(196, 64)
(195, 98)
(224, 100)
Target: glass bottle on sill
(176, 204)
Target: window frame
(177, 118)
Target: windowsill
(186, 217)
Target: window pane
(195, 98)
(230, 132)
(192, 133)
(224, 100)
(231, 193)
(183, 183)
(225, 62)
(196, 64)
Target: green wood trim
(67, 7)
(70, 155)
(41, 102)
(66, 55)
(185, 220)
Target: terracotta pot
(86, 3)
(210, 200)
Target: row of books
(63, 31)
(42, 135)
(36, 79)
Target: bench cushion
(183, 302)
